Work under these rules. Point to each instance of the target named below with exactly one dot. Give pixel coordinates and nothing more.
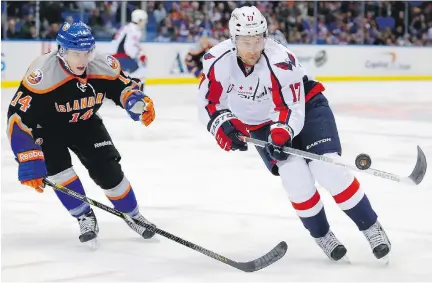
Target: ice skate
(378, 241)
(145, 233)
(332, 247)
(89, 229)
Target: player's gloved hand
(140, 107)
(143, 59)
(32, 169)
(227, 128)
(280, 136)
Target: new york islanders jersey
(272, 90)
(51, 97)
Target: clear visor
(78, 57)
(250, 43)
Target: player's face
(250, 47)
(78, 60)
(142, 24)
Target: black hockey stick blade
(271, 257)
(420, 168)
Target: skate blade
(93, 244)
(385, 260)
(345, 259)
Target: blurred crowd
(329, 22)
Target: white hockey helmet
(139, 15)
(247, 21)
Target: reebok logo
(101, 144)
(30, 155)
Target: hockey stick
(271, 257)
(414, 179)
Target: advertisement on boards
(165, 61)
(390, 60)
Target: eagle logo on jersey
(289, 62)
(208, 56)
(284, 65)
(292, 59)
(112, 62)
(35, 77)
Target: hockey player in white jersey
(254, 86)
(126, 46)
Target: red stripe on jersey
(121, 55)
(278, 100)
(257, 127)
(310, 203)
(348, 192)
(211, 108)
(284, 115)
(318, 88)
(202, 79)
(214, 92)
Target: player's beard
(250, 58)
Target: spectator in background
(339, 22)
(52, 32)
(86, 6)
(159, 13)
(429, 37)
(276, 34)
(164, 35)
(25, 28)
(11, 31)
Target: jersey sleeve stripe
(215, 88)
(214, 92)
(44, 91)
(15, 119)
(277, 96)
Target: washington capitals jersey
(51, 97)
(127, 41)
(271, 90)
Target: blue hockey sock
(70, 180)
(123, 198)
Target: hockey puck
(363, 161)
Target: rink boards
(327, 62)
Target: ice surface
(228, 202)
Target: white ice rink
(228, 202)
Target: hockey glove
(140, 107)
(280, 136)
(32, 169)
(143, 59)
(227, 128)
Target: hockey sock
(312, 215)
(69, 179)
(317, 225)
(354, 202)
(123, 198)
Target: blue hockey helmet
(76, 36)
